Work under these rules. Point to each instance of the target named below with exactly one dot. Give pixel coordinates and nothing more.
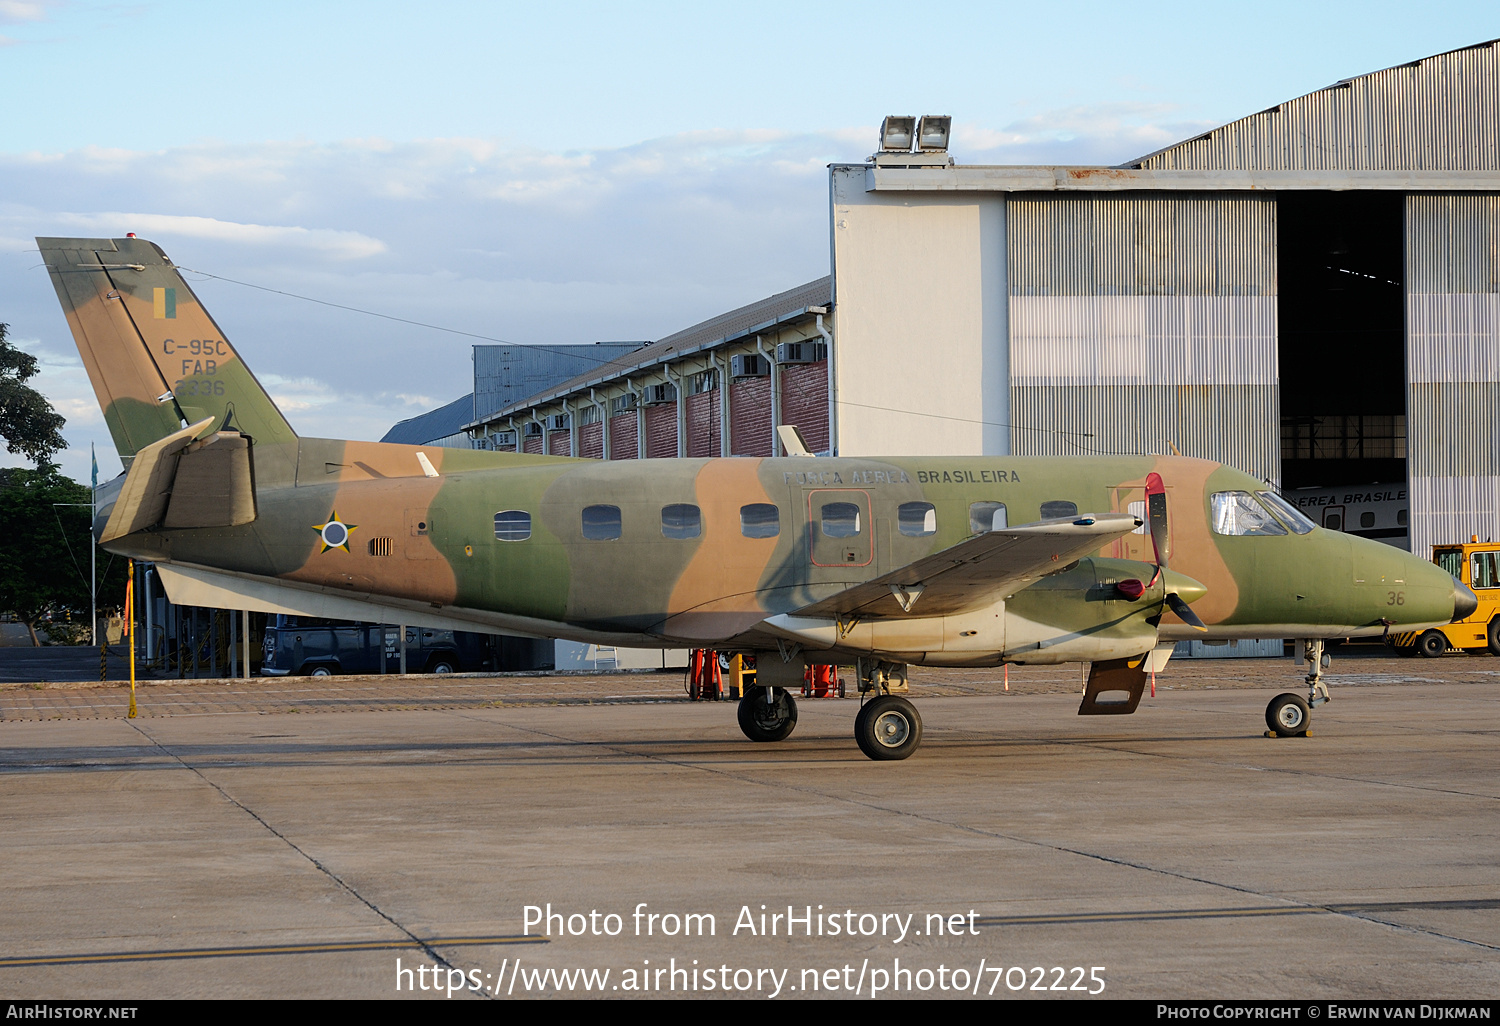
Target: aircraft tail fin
(155, 357)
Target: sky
(564, 172)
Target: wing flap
(976, 572)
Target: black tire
(1432, 644)
(1493, 636)
(1288, 715)
(767, 722)
(320, 671)
(443, 665)
(888, 728)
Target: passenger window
(1401, 517)
(1333, 522)
(840, 520)
(1238, 514)
(1367, 520)
(1059, 508)
(760, 520)
(916, 519)
(985, 517)
(1486, 573)
(601, 523)
(513, 525)
(681, 520)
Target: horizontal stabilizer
(148, 486)
(978, 571)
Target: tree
(28, 423)
(44, 548)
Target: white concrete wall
(573, 655)
(922, 356)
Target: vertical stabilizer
(155, 357)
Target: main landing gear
(767, 714)
(888, 727)
(1289, 714)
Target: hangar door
(1139, 322)
(1453, 361)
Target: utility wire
(562, 350)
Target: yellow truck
(1476, 564)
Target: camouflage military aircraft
(875, 563)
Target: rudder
(155, 357)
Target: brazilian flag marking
(164, 304)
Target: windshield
(1289, 514)
(1238, 514)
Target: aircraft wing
(976, 572)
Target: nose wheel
(1288, 715)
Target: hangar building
(1310, 293)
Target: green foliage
(44, 548)
(28, 423)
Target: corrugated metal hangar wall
(1144, 321)
(1310, 292)
(1453, 366)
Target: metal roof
(742, 322)
(429, 427)
(1441, 113)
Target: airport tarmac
(290, 838)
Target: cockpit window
(1238, 514)
(1289, 514)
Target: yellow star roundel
(335, 533)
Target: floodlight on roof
(897, 133)
(932, 133)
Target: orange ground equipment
(822, 682)
(705, 679)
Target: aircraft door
(1333, 518)
(840, 531)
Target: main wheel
(1288, 715)
(1432, 644)
(1493, 636)
(767, 721)
(888, 728)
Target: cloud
(341, 244)
(478, 235)
(23, 10)
(1106, 133)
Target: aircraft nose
(1464, 601)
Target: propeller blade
(1156, 516)
(1184, 612)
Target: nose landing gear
(1288, 714)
